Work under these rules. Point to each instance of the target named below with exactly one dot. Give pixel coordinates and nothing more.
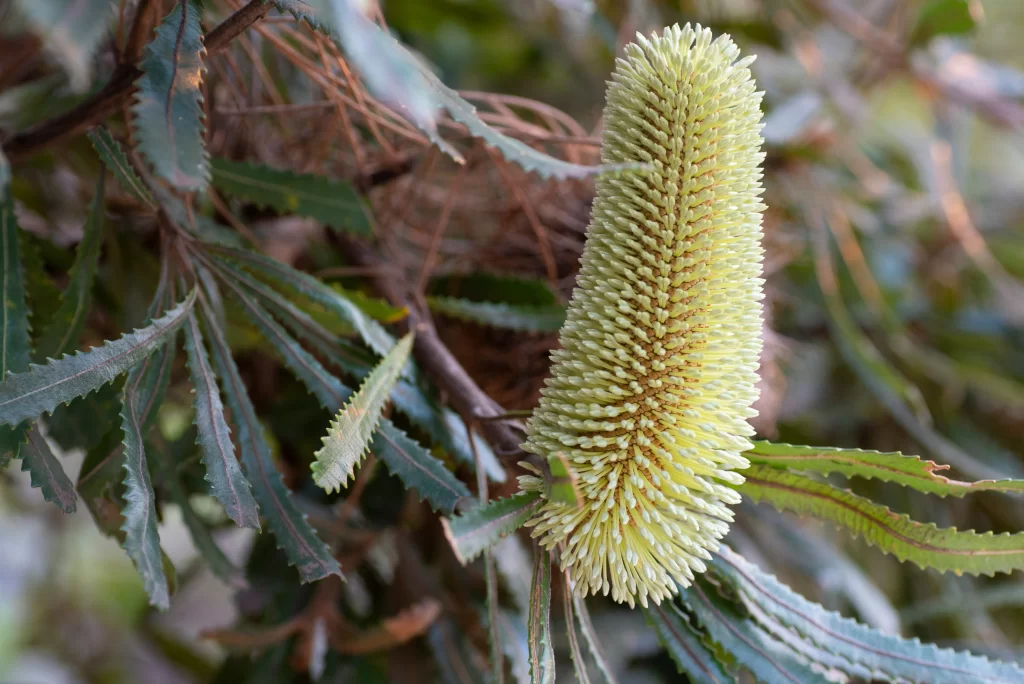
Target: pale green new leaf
(15, 343)
(483, 527)
(227, 483)
(685, 646)
(884, 655)
(522, 317)
(332, 202)
(293, 533)
(909, 471)
(42, 388)
(168, 113)
(63, 332)
(46, 472)
(419, 470)
(352, 429)
(925, 545)
(116, 160)
(71, 30)
(538, 639)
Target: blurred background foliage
(895, 310)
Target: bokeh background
(894, 320)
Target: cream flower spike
(651, 390)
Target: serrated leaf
(227, 483)
(294, 535)
(538, 639)
(482, 527)
(398, 78)
(306, 285)
(46, 472)
(685, 646)
(925, 545)
(332, 202)
(42, 388)
(64, 330)
(909, 471)
(415, 467)
(116, 160)
(72, 31)
(593, 643)
(15, 344)
(100, 483)
(349, 434)
(885, 655)
(767, 658)
(168, 114)
(523, 317)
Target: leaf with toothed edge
(414, 466)
(909, 471)
(64, 330)
(482, 527)
(925, 545)
(168, 113)
(369, 330)
(293, 533)
(685, 646)
(332, 202)
(42, 388)
(538, 638)
(15, 343)
(884, 656)
(227, 483)
(351, 431)
(114, 157)
(46, 472)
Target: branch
(118, 91)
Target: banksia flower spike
(651, 390)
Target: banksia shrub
(651, 390)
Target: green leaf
(306, 285)
(542, 651)
(5, 175)
(42, 388)
(415, 466)
(332, 202)
(227, 483)
(63, 332)
(523, 317)
(942, 17)
(483, 527)
(72, 30)
(396, 77)
(484, 286)
(15, 344)
(579, 662)
(909, 471)
(925, 545)
(883, 655)
(351, 430)
(593, 644)
(494, 637)
(686, 646)
(82, 423)
(376, 308)
(294, 535)
(39, 287)
(168, 114)
(116, 160)
(562, 485)
(768, 659)
(46, 472)
(100, 483)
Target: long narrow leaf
(15, 344)
(42, 388)
(542, 650)
(349, 434)
(114, 157)
(910, 471)
(414, 466)
(494, 639)
(579, 662)
(46, 472)
(64, 330)
(686, 647)
(293, 532)
(227, 483)
(523, 317)
(593, 643)
(331, 202)
(885, 655)
(168, 121)
(482, 527)
(925, 545)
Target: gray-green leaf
(15, 344)
(542, 651)
(415, 466)
(522, 317)
(116, 160)
(482, 527)
(46, 472)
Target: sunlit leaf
(482, 527)
(942, 17)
